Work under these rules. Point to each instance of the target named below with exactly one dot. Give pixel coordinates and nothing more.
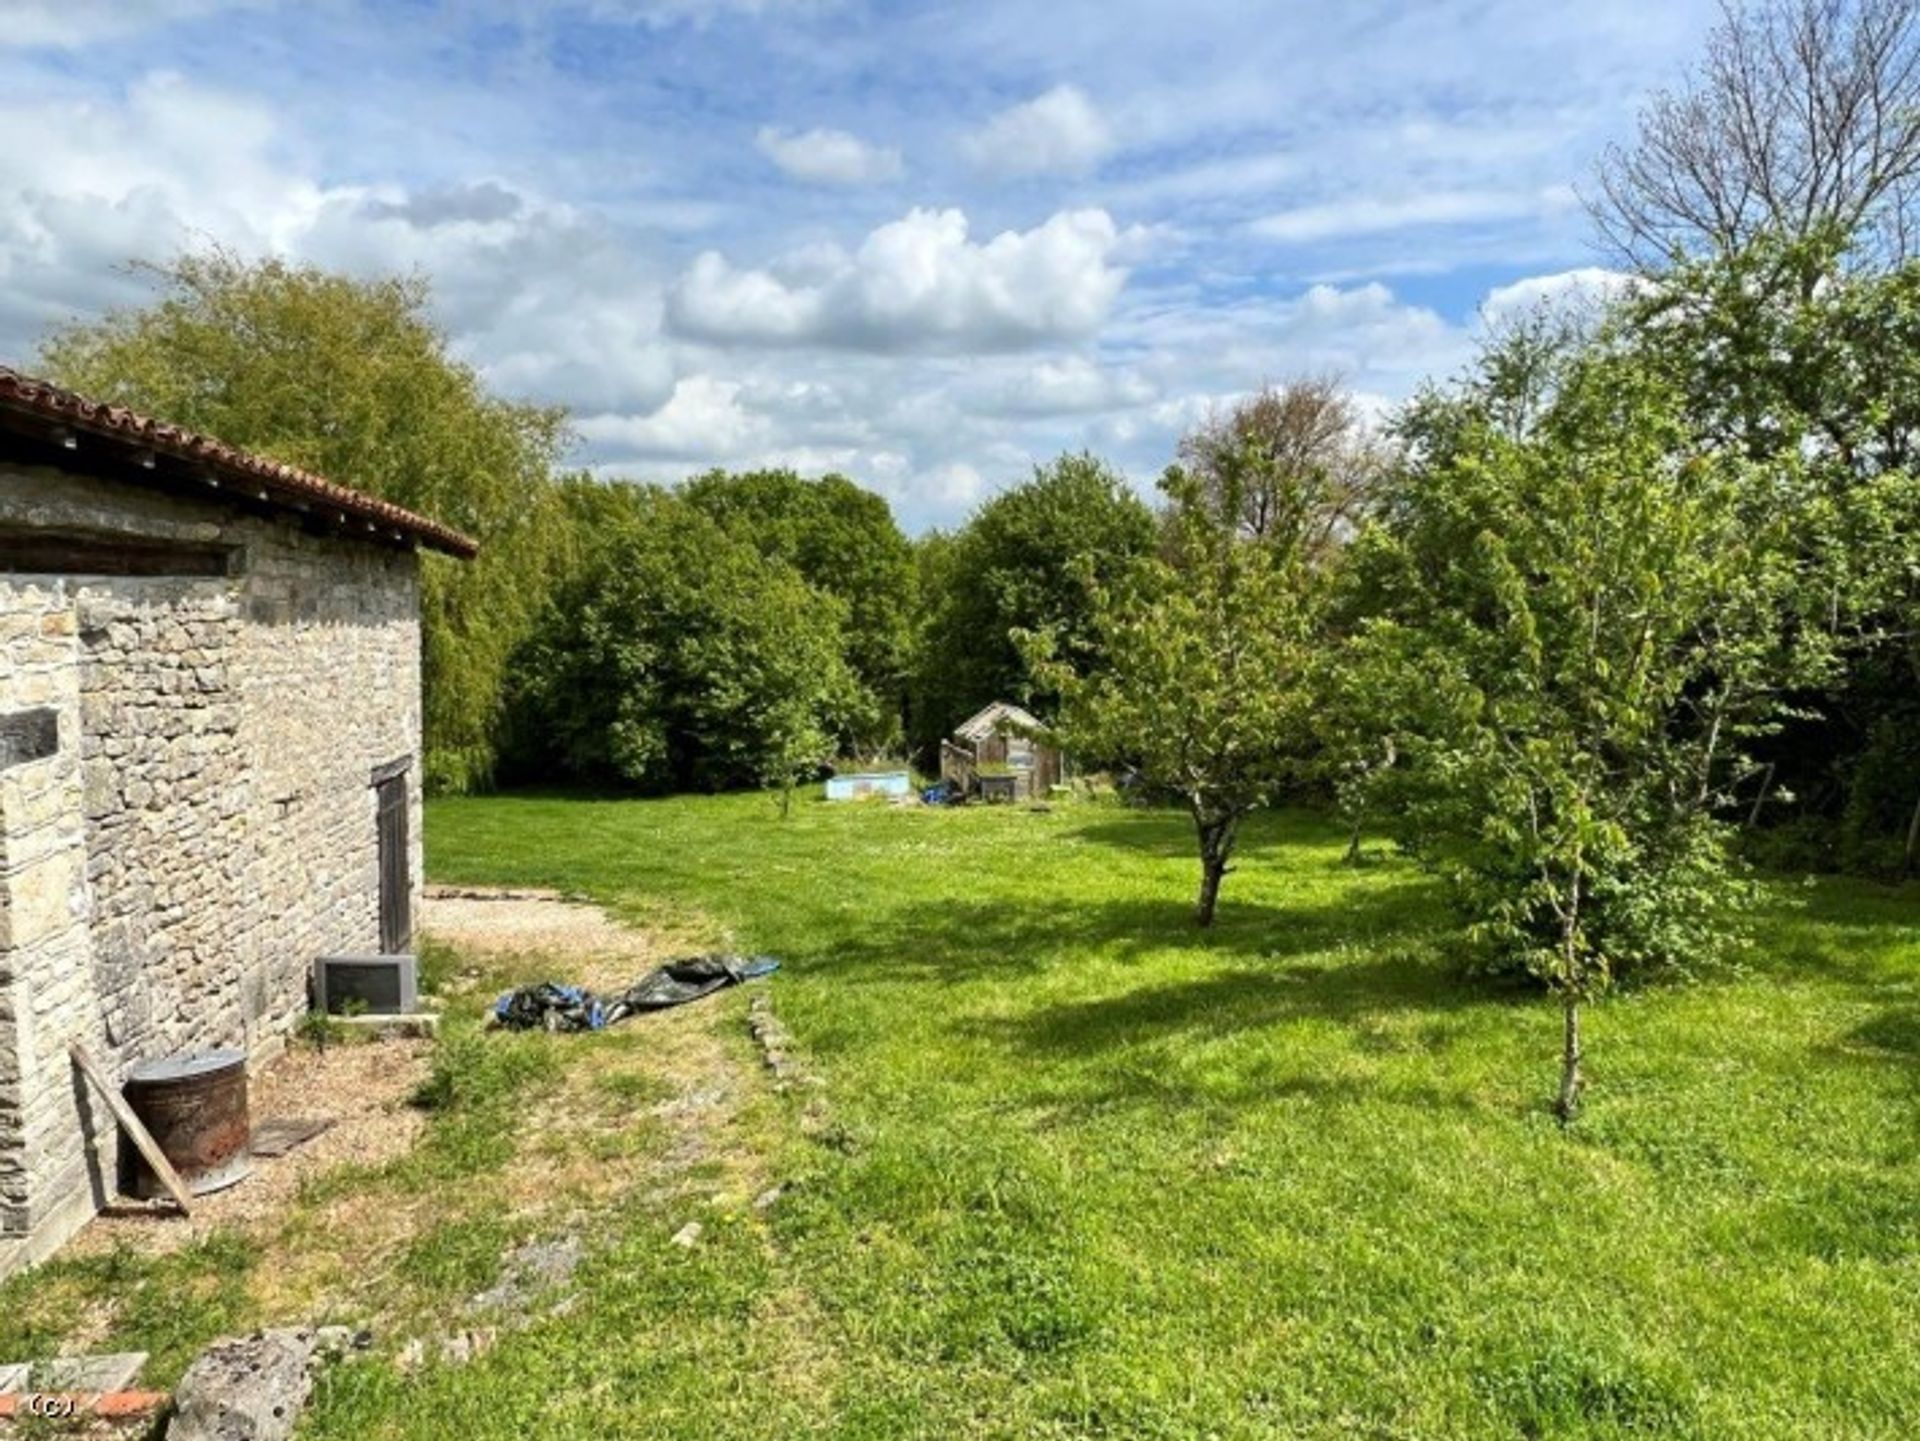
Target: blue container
(869, 783)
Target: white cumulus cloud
(1059, 133)
(829, 157)
(1067, 385)
(1588, 285)
(917, 283)
(702, 419)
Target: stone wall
(206, 825)
(44, 913)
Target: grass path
(1104, 1176)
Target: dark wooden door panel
(396, 880)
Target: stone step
(407, 1023)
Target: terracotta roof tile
(276, 484)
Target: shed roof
(168, 454)
(1000, 716)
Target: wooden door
(396, 871)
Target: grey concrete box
(369, 985)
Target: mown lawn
(1093, 1173)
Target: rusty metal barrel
(196, 1108)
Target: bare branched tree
(1804, 115)
(1298, 460)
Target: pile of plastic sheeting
(549, 1007)
(553, 1007)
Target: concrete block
(115, 1371)
(409, 1023)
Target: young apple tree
(1583, 620)
(1209, 647)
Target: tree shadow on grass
(1843, 930)
(965, 940)
(1895, 1033)
(1889, 1043)
(1137, 1040)
(1256, 995)
(1369, 960)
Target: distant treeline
(748, 629)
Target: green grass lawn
(1095, 1173)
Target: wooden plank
(277, 1136)
(130, 1123)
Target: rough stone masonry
(187, 811)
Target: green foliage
(844, 542)
(1584, 623)
(351, 379)
(1205, 653)
(1030, 559)
(678, 655)
(1787, 351)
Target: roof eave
(198, 458)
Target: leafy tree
(1205, 656)
(1584, 623)
(351, 379)
(678, 656)
(1784, 353)
(844, 541)
(1773, 198)
(1030, 559)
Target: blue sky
(925, 245)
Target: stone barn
(209, 763)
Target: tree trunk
(1766, 783)
(1212, 872)
(1352, 857)
(1568, 1105)
(1913, 843)
(1216, 847)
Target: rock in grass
(532, 1270)
(455, 1350)
(249, 1388)
(688, 1235)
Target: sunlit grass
(1101, 1174)
(1086, 1172)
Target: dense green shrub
(677, 656)
(1030, 559)
(1582, 617)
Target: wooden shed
(1002, 754)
